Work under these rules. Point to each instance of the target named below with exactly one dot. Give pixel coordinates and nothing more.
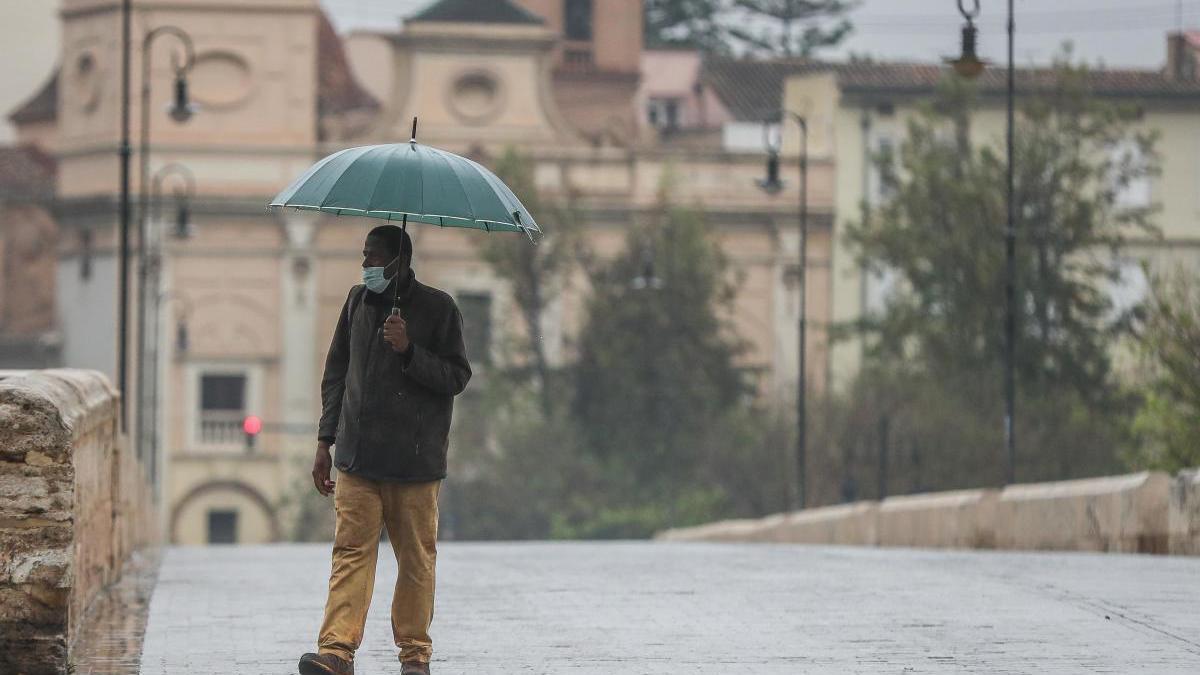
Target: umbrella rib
(379, 180)
(346, 171)
(461, 186)
(506, 197)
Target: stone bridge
(85, 585)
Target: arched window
(578, 19)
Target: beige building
(247, 303)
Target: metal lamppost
(181, 230)
(180, 110)
(647, 279)
(123, 154)
(182, 315)
(772, 185)
(968, 65)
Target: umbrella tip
(413, 138)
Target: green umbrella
(409, 182)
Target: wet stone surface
(645, 607)
(110, 642)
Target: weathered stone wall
(73, 505)
(1147, 512)
(957, 519)
(1183, 513)
(1117, 513)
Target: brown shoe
(325, 664)
(414, 668)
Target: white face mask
(374, 278)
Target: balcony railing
(577, 58)
(222, 427)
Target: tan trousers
(410, 513)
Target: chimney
(1183, 53)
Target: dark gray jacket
(388, 414)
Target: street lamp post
(123, 154)
(180, 111)
(647, 279)
(182, 230)
(772, 185)
(968, 65)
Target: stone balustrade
(1147, 512)
(74, 503)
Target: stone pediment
(473, 11)
(475, 84)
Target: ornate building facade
(244, 307)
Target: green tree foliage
(941, 338)
(308, 514)
(1168, 424)
(657, 426)
(942, 232)
(656, 367)
(685, 23)
(762, 27)
(536, 273)
(790, 27)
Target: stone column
(299, 376)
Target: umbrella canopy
(409, 182)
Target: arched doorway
(224, 511)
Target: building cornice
(101, 210)
(225, 6)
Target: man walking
(386, 402)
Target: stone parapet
(1183, 513)
(854, 524)
(73, 504)
(1147, 512)
(957, 519)
(1117, 513)
(724, 530)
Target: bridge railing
(74, 503)
(1147, 512)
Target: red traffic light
(252, 425)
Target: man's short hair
(397, 240)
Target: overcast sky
(1112, 32)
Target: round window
(476, 97)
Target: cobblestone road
(682, 608)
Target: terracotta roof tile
(923, 77)
(476, 11)
(752, 90)
(41, 107)
(26, 173)
(337, 89)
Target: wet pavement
(110, 640)
(656, 607)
